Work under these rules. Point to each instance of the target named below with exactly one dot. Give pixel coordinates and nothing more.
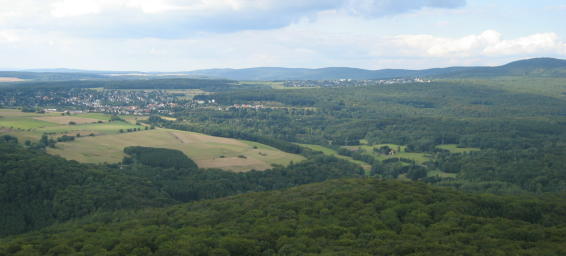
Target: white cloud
(527, 45)
(487, 43)
(180, 18)
(9, 36)
(67, 8)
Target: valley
(221, 167)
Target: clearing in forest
(207, 151)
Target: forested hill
(530, 67)
(37, 189)
(546, 67)
(339, 217)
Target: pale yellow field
(10, 79)
(206, 151)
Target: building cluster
(119, 102)
(351, 82)
(248, 106)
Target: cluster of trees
(37, 189)
(262, 95)
(138, 129)
(536, 170)
(186, 184)
(221, 131)
(341, 217)
(158, 157)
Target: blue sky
(175, 35)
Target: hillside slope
(37, 189)
(537, 67)
(340, 217)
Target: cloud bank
(182, 18)
(169, 35)
(487, 43)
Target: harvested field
(207, 151)
(10, 79)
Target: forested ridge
(38, 189)
(340, 217)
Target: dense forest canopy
(39, 189)
(340, 217)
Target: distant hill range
(547, 67)
(530, 67)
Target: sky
(182, 35)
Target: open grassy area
(453, 148)
(419, 158)
(108, 142)
(16, 119)
(441, 174)
(30, 126)
(23, 123)
(98, 116)
(206, 151)
(67, 119)
(332, 152)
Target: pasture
(419, 158)
(30, 126)
(206, 151)
(453, 148)
(67, 119)
(110, 138)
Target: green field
(419, 158)
(453, 148)
(108, 142)
(332, 152)
(99, 116)
(16, 119)
(206, 151)
(441, 174)
(28, 126)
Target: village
(351, 82)
(116, 102)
